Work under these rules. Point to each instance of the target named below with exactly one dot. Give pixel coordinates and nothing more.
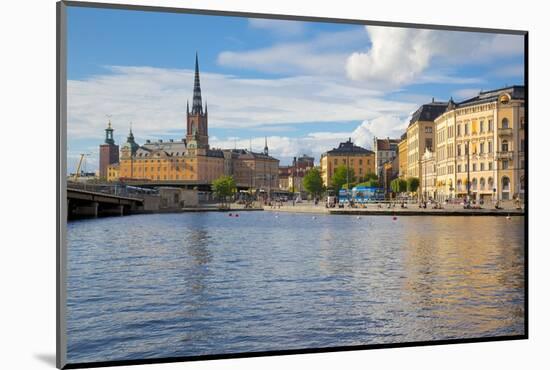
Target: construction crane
(77, 172)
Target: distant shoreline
(396, 211)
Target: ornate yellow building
(191, 159)
(403, 156)
(359, 159)
(481, 146)
(420, 136)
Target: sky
(305, 86)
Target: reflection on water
(167, 285)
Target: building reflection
(457, 277)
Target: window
(429, 144)
(504, 146)
(474, 167)
(522, 145)
(458, 150)
(505, 184)
(360, 162)
(466, 132)
(458, 130)
(481, 128)
(505, 123)
(482, 166)
(459, 168)
(428, 130)
(490, 166)
(490, 122)
(481, 184)
(490, 146)
(481, 147)
(505, 164)
(335, 161)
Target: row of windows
(351, 162)
(474, 167)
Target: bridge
(89, 203)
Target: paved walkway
(412, 210)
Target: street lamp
(468, 169)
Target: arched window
(505, 123)
(490, 183)
(474, 184)
(482, 184)
(505, 184)
(459, 185)
(504, 146)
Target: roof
(248, 154)
(386, 144)
(515, 92)
(348, 147)
(428, 112)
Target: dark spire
(266, 149)
(109, 135)
(187, 106)
(197, 99)
(205, 107)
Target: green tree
(313, 182)
(368, 177)
(412, 184)
(372, 183)
(341, 176)
(398, 185)
(224, 187)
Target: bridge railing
(122, 190)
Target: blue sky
(305, 86)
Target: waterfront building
(390, 171)
(254, 170)
(385, 150)
(113, 172)
(420, 136)
(361, 160)
(291, 177)
(284, 173)
(429, 176)
(108, 152)
(481, 146)
(403, 156)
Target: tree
(398, 185)
(412, 184)
(313, 182)
(372, 183)
(341, 176)
(224, 187)
(368, 177)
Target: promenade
(411, 210)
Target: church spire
(197, 99)
(109, 134)
(266, 149)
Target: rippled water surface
(153, 286)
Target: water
(153, 286)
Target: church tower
(108, 152)
(197, 119)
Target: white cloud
(399, 56)
(324, 54)
(154, 99)
(316, 143)
(278, 27)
